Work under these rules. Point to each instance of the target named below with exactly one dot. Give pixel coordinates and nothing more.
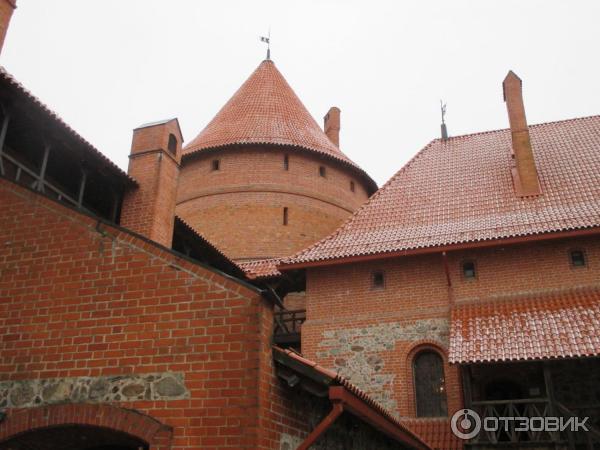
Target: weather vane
(443, 109)
(268, 41)
(443, 127)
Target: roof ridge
(535, 125)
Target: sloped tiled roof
(436, 432)
(260, 268)
(265, 110)
(560, 324)
(337, 379)
(460, 191)
(51, 116)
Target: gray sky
(106, 66)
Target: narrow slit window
(322, 171)
(286, 162)
(469, 271)
(285, 215)
(172, 146)
(378, 279)
(577, 258)
(352, 187)
(216, 164)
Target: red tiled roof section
(66, 127)
(460, 190)
(265, 110)
(436, 432)
(359, 393)
(561, 324)
(260, 268)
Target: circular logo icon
(465, 424)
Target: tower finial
(444, 129)
(267, 39)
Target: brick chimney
(332, 125)
(154, 163)
(6, 10)
(524, 171)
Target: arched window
(172, 143)
(430, 389)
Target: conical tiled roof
(265, 110)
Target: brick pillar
(332, 125)
(154, 163)
(6, 10)
(525, 174)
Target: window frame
(475, 270)
(374, 285)
(442, 408)
(215, 165)
(583, 255)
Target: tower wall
(240, 206)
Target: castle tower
(263, 179)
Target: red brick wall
(349, 323)
(84, 299)
(240, 206)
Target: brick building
(166, 307)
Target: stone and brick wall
(240, 206)
(93, 315)
(371, 335)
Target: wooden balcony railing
(288, 324)
(509, 433)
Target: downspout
(323, 426)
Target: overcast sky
(106, 66)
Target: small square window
(216, 164)
(352, 186)
(322, 171)
(378, 279)
(469, 271)
(577, 258)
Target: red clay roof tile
(436, 432)
(460, 190)
(265, 110)
(260, 268)
(560, 324)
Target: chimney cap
(510, 77)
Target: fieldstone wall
(41, 392)
(357, 353)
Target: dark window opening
(469, 270)
(172, 144)
(286, 162)
(322, 171)
(285, 215)
(378, 279)
(577, 258)
(430, 387)
(216, 164)
(352, 186)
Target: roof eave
(443, 248)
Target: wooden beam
(40, 186)
(81, 188)
(329, 419)
(3, 139)
(465, 374)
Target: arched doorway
(74, 437)
(83, 427)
